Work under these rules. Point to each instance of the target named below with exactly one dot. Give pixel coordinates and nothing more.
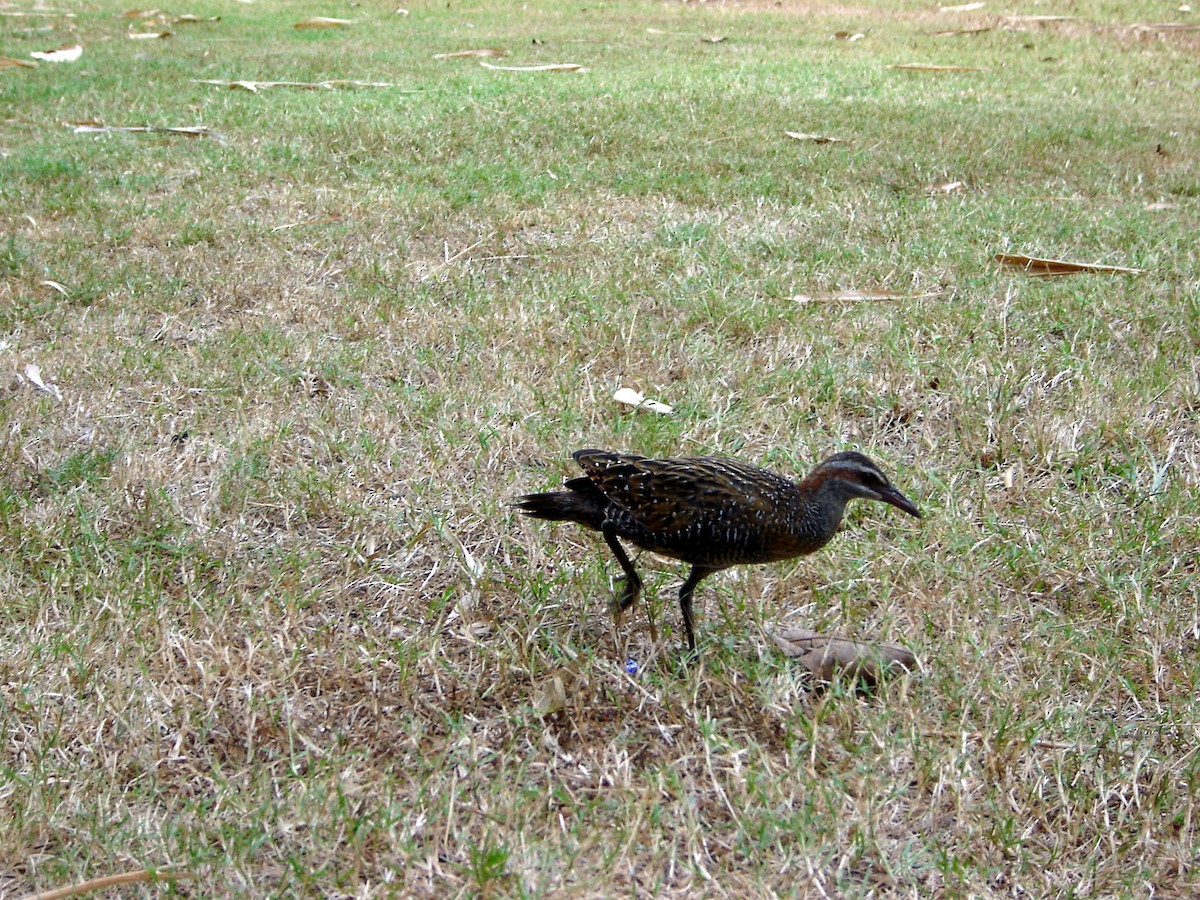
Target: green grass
(267, 617)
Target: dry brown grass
(269, 619)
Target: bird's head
(851, 474)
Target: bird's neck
(812, 518)
(824, 497)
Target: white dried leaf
(813, 138)
(70, 53)
(549, 67)
(33, 374)
(638, 400)
(878, 294)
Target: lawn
(270, 380)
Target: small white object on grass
(638, 400)
(33, 374)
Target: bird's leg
(632, 585)
(697, 574)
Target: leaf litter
(826, 655)
(255, 86)
(548, 67)
(1043, 268)
(814, 138)
(68, 53)
(323, 22)
(934, 67)
(183, 130)
(854, 296)
(637, 400)
(489, 52)
(33, 374)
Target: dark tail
(582, 502)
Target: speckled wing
(671, 495)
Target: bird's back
(706, 510)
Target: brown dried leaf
(323, 22)
(190, 19)
(848, 36)
(489, 52)
(551, 695)
(139, 13)
(958, 32)
(824, 655)
(1167, 26)
(1019, 19)
(147, 35)
(7, 62)
(1042, 268)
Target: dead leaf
(323, 22)
(813, 138)
(328, 220)
(139, 13)
(55, 286)
(158, 874)
(490, 52)
(1160, 205)
(715, 39)
(962, 31)
(1042, 268)
(550, 67)
(931, 67)
(69, 53)
(147, 35)
(255, 86)
(965, 7)
(638, 400)
(34, 375)
(848, 36)
(946, 187)
(1019, 19)
(1167, 26)
(824, 655)
(551, 694)
(189, 19)
(185, 130)
(7, 62)
(834, 296)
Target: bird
(711, 512)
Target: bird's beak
(898, 500)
